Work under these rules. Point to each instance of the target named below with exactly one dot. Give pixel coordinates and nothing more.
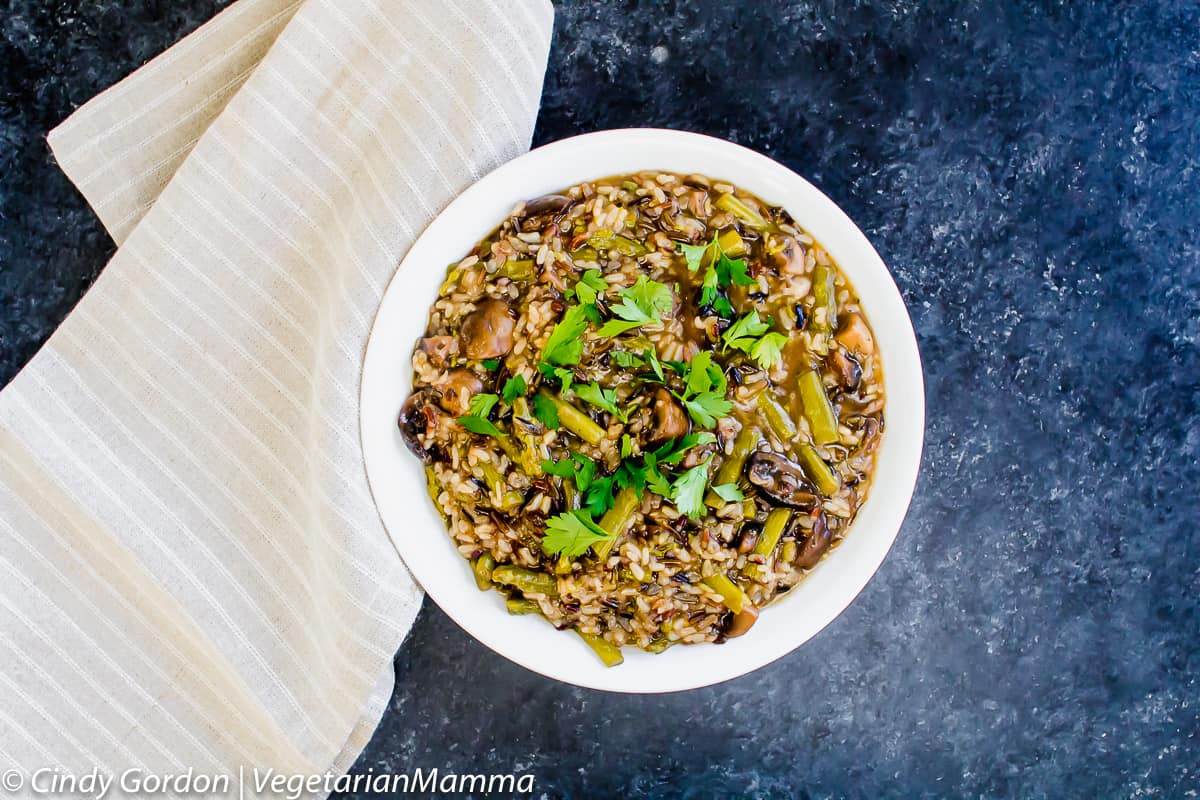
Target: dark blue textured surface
(1032, 176)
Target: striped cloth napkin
(193, 572)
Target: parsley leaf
(672, 452)
(480, 425)
(688, 490)
(707, 408)
(604, 399)
(514, 387)
(490, 364)
(476, 419)
(655, 481)
(766, 351)
(572, 534)
(729, 492)
(545, 410)
(560, 469)
(693, 254)
(732, 271)
(590, 285)
(652, 359)
(561, 374)
(741, 334)
(704, 397)
(641, 304)
(565, 345)
(599, 495)
(482, 404)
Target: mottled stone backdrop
(1032, 175)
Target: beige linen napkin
(193, 572)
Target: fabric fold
(196, 573)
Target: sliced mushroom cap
(670, 421)
(741, 622)
(541, 211)
(815, 543)
(416, 417)
(856, 336)
(487, 332)
(439, 349)
(790, 257)
(748, 538)
(780, 480)
(457, 388)
(847, 370)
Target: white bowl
(398, 481)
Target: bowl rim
(386, 380)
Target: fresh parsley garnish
(604, 399)
(476, 420)
(514, 387)
(590, 285)
(597, 490)
(641, 304)
(688, 489)
(563, 375)
(565, 345)
(767, 351)
(490, 364)
(545, 410)
(722, 272)
(693, 254)
(729, 492)
(572, 534)
(743, 333)
(750, 335)
(704, 396)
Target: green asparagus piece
(732, 244)
(527, 580)
(505, 499)
(731, 468)
(817, 470)
(451, 279)
(533, 452)
(585, 253)
(607, 240)
(518, 606)
(772, 532)
(817, 408)
(520, 269)
(658, 645)
(431, 485)
(742, 211)
(782, 425)
(609, 653)
(824, 297)
(735, 599)
(788, 552)
(616, 519)
(575, 420)
(482, 567)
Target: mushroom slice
(846, 368)
(856, 336)
(487, 332)
(439, 349)
(782, 481)
(670, 421)
(416, 417)
(741, 622)
(815, 543)
(457, 388)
